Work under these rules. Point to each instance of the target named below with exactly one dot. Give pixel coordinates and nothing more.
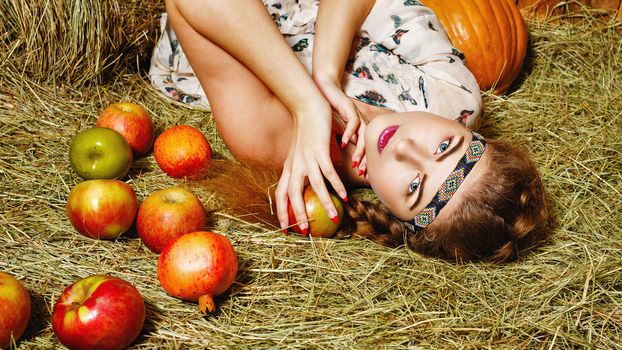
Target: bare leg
(254, 124)
(245, 30)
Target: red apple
(98, 312)
(14, 310)
(320, 225)
(132, 122)
(182, 151)
(167, 214)
(102, 209)
(198, 266)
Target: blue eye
(444, 146)
(414, 185)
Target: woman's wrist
(327, 78)
(311, 109)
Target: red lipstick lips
(385, 136)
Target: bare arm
(337, 23)
(245, 30)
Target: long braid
(372, 221)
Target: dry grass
(75, 41)
(292, 292)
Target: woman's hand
(308, 159)
(349, 117)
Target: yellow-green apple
(167, 214)
(98, 312)
(102, 209)
(132, 121)
(182, 151)
(100, 153)
(320, 225)
(198, 266)
(14, 309)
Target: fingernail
(361, 172)
(335, 219)
(343, 144)
(355, 164)
(284, 231)
(343, 195)
(303, 228)
(331, 214)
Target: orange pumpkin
(491, 34)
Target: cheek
(389, 191)
(384, 186)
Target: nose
(407, 150)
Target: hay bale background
(292, 292)
(75, 41)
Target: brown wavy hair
(504, 214)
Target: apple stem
(206, 304)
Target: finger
(363, 167)
(339, 120)
(316, 180)
(328, 170)
(351, 115)
(281, 200)
(359, 150)
(294, 191)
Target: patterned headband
(450, 186)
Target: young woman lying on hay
(390, 109)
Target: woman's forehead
(469, 181)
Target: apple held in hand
(198, 266)
(320, 225)
(182, 151)
(98, 312)
(14, 309)
(102, 209)
(166, 214)
(100, 153)
(132, 121)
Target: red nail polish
(335, 219)
(304, 231)
(343, 144)
(284, 231)
(361, 172)
(355, 164)
(345, 198)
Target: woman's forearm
(337, 23)
(245, 30)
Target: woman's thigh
(253, 123)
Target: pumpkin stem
(206, 304)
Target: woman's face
(409, 155)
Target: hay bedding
(292, 292)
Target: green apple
(100, 153)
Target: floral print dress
(401, 60)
